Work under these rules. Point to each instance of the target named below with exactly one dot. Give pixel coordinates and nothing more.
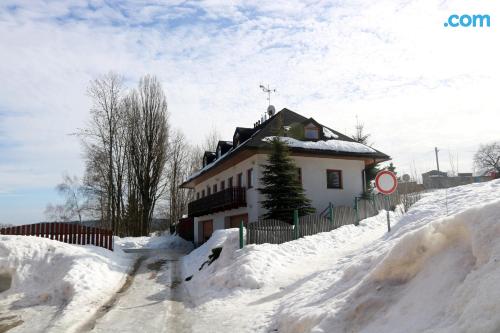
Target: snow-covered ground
(437, 271)
(156, 242)
(55, 287)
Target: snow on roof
(333, 145)
(210, 165)
(206, 167)
(329, 134)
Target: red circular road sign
(386, 182)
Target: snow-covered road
(150, 301)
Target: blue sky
(412, 82)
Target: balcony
(229, 198)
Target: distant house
(330, 165)
(435, 179)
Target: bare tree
(487, 158)
(56, 213)
(211, 139)
(75, 201)
(453, 163)
(147, 144)
(74, 195)
(371, 171)
(209, 143)
(101, 143)
(360, 135)
(182, 162)
(414, 172)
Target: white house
(331, 167)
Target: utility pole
(437, 158)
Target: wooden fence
(70, 233)
(269, 231)
(277, 232)
(366, 207)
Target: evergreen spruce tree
(392, 168)
(282, 189)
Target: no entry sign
(386, 182)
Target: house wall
(313, 181)
(253, 207)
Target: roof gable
(257, 138)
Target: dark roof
(209, 157)
(224, 146)
(252, 138)
(435, 173)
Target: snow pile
(203, 280)
(333, 145)
(329, 134)
(270, 265)
(166, 241)
(435, 273)
(46, 274)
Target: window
(249, 178)
(203, 193)
(208, 190)
(311, 132)
(299, 175)
(222, 185)
(215, 188)
(239, 181)
(333, 179)
(197, 195)
(230, 182)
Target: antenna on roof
(268, 91)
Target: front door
(234, 221)
(208, 229)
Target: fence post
(295, 224)
(356, 210)
(241, 234)
(330, 213)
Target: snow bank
(202, 284)
(270, 265)
(50, 274)
(57, 287)
(435, 273)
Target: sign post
(386, 183)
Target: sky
(414, 83)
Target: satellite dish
(271, 110)
(406, 178)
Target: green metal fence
(277, 232)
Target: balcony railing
(229, 198)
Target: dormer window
(311, 132)
(236, 140)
